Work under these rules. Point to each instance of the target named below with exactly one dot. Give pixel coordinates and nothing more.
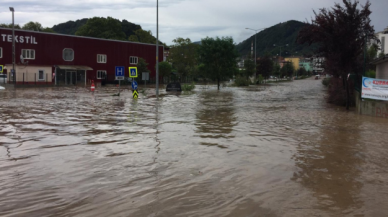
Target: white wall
(30, 72)
(385, 48)
(382, 70)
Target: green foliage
(142, 66)
(276, 70)
(370, 74)
(301, 72)
(280, 34)
(4, 25)
(70, 27)
(260, 79)
(241, 81)
(143, 36)
(165, 69)
(265, 66)
(100, 27)
(381, 55)
(183, 56)
(249, 67)
(130, 28)
(288, 69)
(219, 57)
(188, 87)
(326, 81)
(33, 26)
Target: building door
(71, 77)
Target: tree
(265, 66)
(219, 57)
(33, 26)
(276, 70)
(165, 69)
(249, 67)
(3, 25)
(142, 66)
(341, 32)
(100, 27)
(287, 69)
(183, 56)
(301, 71)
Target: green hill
(280, 34)
(71, 27)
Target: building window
(101, 74)
(1, 52)
(28, 54)
(41, 75)
(133, 60)
(101, 58)
(68, 54)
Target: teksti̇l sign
(374, 88)
(19, 39)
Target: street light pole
(13, 43)
(157, 48)
(255, 43)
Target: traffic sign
(1, 68)
(133, 72)
(134, 85)
(145, 76)
(135, 94)
(120, 72)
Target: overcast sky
(194, 19)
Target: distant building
(383, 37)
(306, 63)
(318, 65)
(381, 67)
(48, 58)
(294, 61)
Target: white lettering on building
(19, 39)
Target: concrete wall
(382, 70)
(31, 74)
(371, 107)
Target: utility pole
(157, 48)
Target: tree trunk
(347, 95)
(218, 83)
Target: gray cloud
(194, 19)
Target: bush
(188, 87)
(326, 81)
(337, 92)
(260, 79)
(241, 81)
(370, 74)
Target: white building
(383, 37)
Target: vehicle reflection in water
(215, 118)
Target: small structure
(381, 67)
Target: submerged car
(3, 78)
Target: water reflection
(215, 118)
(329, 164)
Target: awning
(72, 67)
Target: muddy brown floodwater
(258, 151)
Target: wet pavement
(277, 150)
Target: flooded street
(279, 150)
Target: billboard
(374, 88)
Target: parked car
(3, 79)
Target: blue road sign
(1, 69)
(134, 85)
(132, 72)
(120, 71)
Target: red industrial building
(67, 59)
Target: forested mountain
(279, 35)
(108, 28)
(70, 27)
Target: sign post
(145, 76)
(133, 74)
(119, 73)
